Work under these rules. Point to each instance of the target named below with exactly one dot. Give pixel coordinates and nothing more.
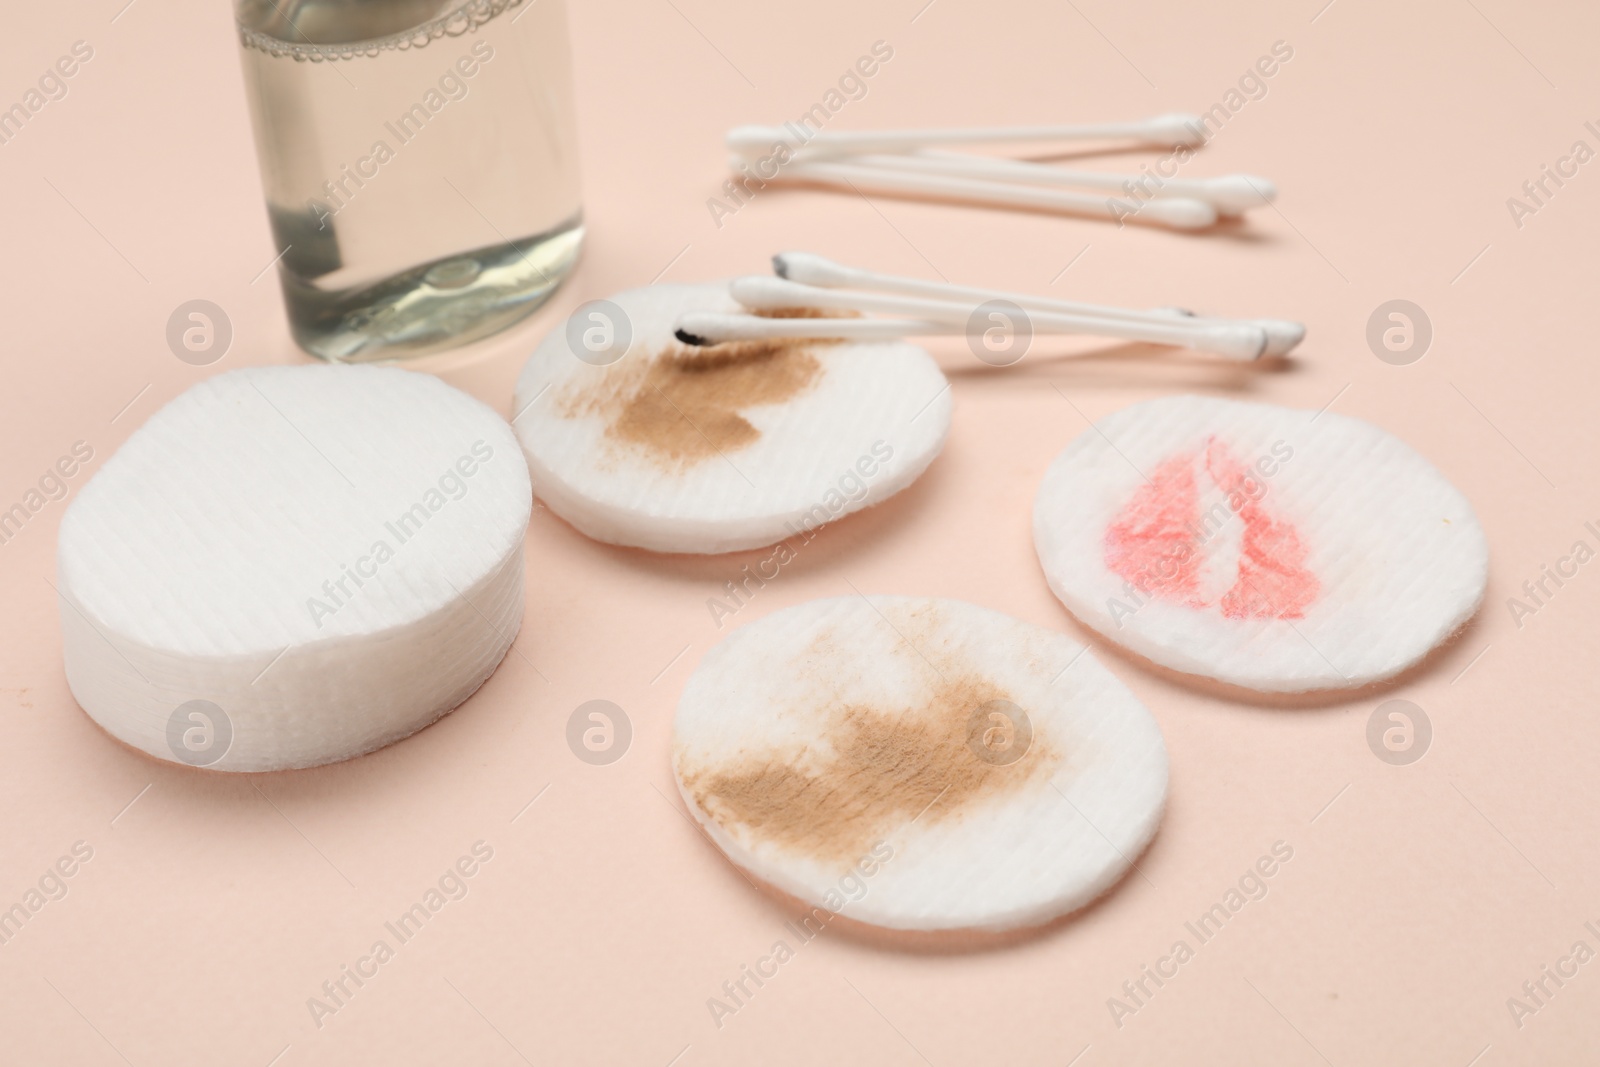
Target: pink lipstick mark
(1158, 541)
(1151, 542)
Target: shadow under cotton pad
(638, 439)
(1265, 547)
(288, 566)
(919, 764)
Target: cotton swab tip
(1282, 335)
(809, 269)
(1238, 193)
(1244, 341)
(1178, 129)
(1181, 213)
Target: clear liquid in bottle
(419, 163)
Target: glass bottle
(419, 162)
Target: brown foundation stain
(875, 771)
(804, 313)
(686, 404)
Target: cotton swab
(810, 269)
(715, 328)
(1175, 129)
(1178, 213)
(807, 268)
(1235, 340)
(1243, 342)
(1231, 194)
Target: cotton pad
(288, 566)
(637, 439)
(919, 764)
(1265, 547)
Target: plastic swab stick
(1178, 213)
(1175, 129)
(1235, 340)
(811, 269)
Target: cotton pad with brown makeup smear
(919, 764)
(637, 439)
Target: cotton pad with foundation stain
(288, 566)
(649, 442)
(919, 764)
(1265, 547)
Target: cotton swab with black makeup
(1236, 340)
(705, 328)
(1242, 342)
(814, 270)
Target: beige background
(1419, 898)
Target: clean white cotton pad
(637, 439)
(1266, 547)
(919, 764)
(288, 566)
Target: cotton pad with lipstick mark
(1265, 547)
(638, 439)
(919, 764)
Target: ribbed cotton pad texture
(328, 556)
(705, 450)
(1270, 548)
(919, 764)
